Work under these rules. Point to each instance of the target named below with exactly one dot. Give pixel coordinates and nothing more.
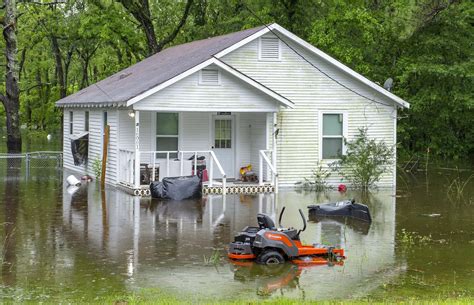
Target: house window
(105, 120)
(167, 132)
(86, 121)
(209, 77)
(223, 133)
(269, 48)
(333, 135)
(71, 122)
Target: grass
(154, 297)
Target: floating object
(49, 137)
(177, 188)
(269, 245)
(72, 189)
(348, 208)
(342, 188)
(86, 178)
(431, 215)
(72, 180)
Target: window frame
(343, 136)
(201, 83)
(260, 50)
(71, 122)
(178, 136)
(86, 120)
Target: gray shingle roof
(154, 70)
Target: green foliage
(425, 46)
(365, 160)
(318, 180)
(408, 239)
(458, 188)
(97, 168)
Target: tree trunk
(11, 99)
(59, 66)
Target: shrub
(97, 168)
(365, 161)
(317, 182)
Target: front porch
(213, 145)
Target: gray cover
(177, 188)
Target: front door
(223, 142)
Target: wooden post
(104, 155)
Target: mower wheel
(270, 257)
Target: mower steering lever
(304, 222)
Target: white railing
(166, 162)
(126, 171)
(263, 156)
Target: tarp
(80, 148)
(177, 188)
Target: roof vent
(209, 77)
(269, 48)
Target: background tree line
(426, 46)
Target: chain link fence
(32, 160)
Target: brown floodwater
(61, 242)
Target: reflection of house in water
(163, 244)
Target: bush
(317, 182)
(365, 161)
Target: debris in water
(431, 215)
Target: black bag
(177, 188)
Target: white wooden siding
(195, 131)
(95, 141)
(251, 139)
(231, 94)
(127, 130)
(312, 91)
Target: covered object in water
(347, 208)
(177, 188)
(80, 148)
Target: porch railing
(264, 159)
(127, 161)
(126, 172)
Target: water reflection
(164, 243)
(12, 199)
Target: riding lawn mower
(268, 245)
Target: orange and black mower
(267, 244)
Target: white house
(261, 96)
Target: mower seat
(265, 222)
(291, 233)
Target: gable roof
(120, 87)
(173, 64)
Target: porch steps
(239, 188)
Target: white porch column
(137, 150)
(274, 148)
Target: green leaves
(365, 161)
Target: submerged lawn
(150, 296)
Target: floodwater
(64, 242)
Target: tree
(11, 98)
(140, 10)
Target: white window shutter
(269, 48)
(209, 77)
